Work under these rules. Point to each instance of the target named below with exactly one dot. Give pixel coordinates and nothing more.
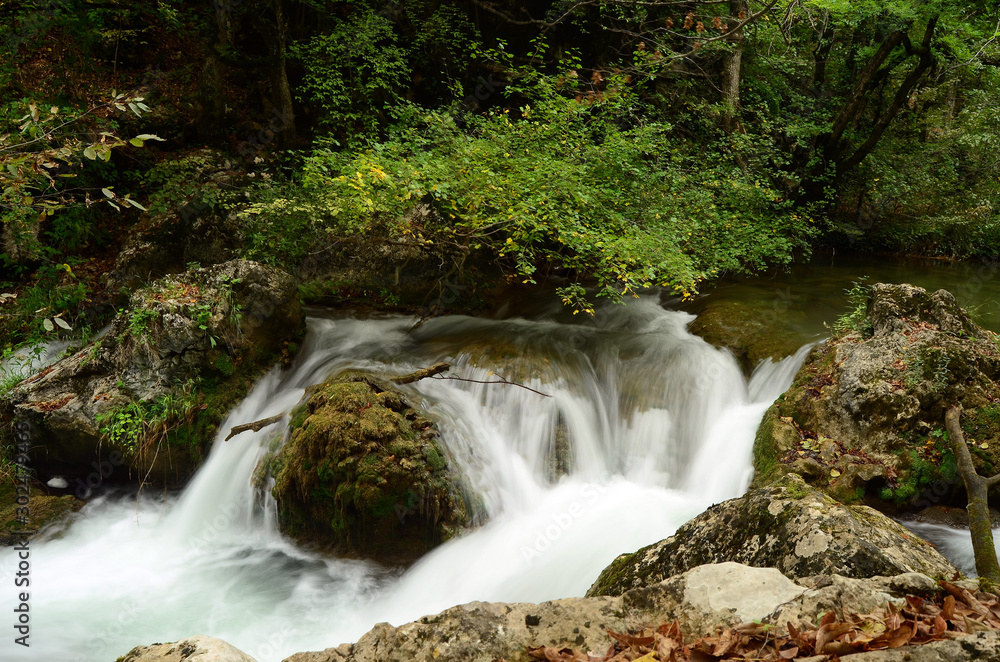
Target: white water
(660, 426)
(954, 543)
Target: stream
(659, 426)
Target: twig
(502, 380)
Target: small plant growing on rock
(855, 319)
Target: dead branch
(256, 426)
(502, 380)
(424, 373)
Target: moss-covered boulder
(364, 475)
(791, 527)
(43, 510)
(864, 417)
(142, 402)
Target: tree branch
(256, 426)
(424, 373)
(977, 487)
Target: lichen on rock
(864, 417)
(363, 474)
(791, 527)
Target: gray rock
(193, 649)
(874, 401)
(793, 528)
(979, 647)
(702, 600)
(182, 328)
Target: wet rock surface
(363, 474)
(796, 529)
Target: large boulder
(865, 414)
(147, 396)
(791, 527)
(193, 649)
(701, 601)
(363, 474)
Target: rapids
(659, 426)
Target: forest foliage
(604, 145)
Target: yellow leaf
(834, 473)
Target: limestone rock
(798, 530)
(701, 600)
(874, 400)
(193, 649)
(196, 341)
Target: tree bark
(731, 66)
(977, 487)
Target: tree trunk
(281, 91)
(926, 59)
(731, 66)
(977, 487)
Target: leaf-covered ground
(955, 613)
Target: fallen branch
(424, 373)
(256, 426)
(977, 487)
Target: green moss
(363, 474)
(224, 364)
(43, 510)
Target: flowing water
(654, 423)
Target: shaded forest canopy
(601, 145)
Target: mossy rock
(43, 510)
(864, 417)
(789, 526)
(363, 474)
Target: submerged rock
(193, 649)
(363, 474)
(865, 415)
(794, 528)
(146, 397)
(751, 330)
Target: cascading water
(641, 426)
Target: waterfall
(629, 426)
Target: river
(659, 426)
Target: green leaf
(62, 323)
(90, 153)
(107, 193)
(135, 142)
(135, 204)
(47, 323)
